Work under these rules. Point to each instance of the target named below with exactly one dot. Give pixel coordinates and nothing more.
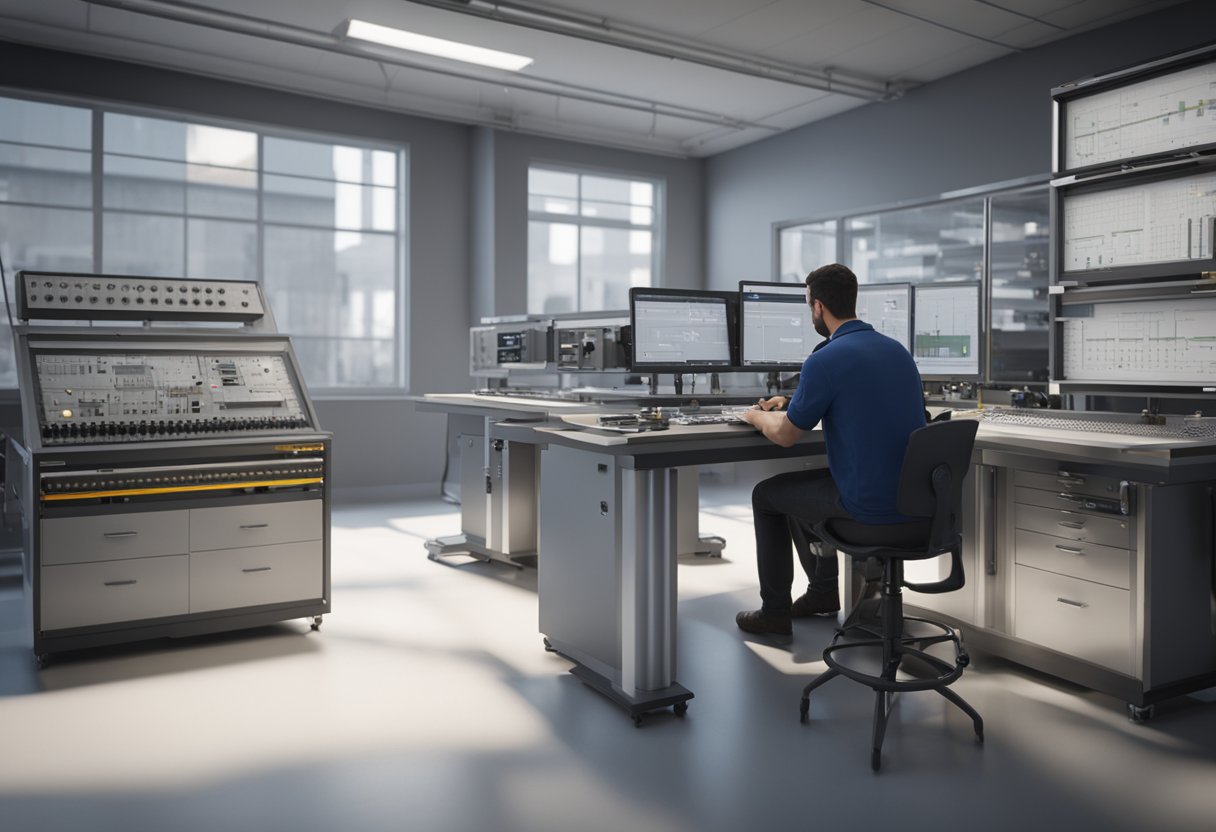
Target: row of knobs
(88, 430)
(179, 479)
(140, 300)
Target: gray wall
(985, 125)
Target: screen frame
(732, 330)
(767, 368)
(980, 332)
(1065, 94)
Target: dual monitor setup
(766, 327)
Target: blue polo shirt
(865, 389)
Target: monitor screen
(677, 329)
(888, 308)
(777, 329)
(947, 330)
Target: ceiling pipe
(601, 30)
(298, 36)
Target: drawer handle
(1072, 524)
(1072, 498)
(1065, 478)
(1073, 603)
(120, 534)
(257, 569)
(120, 583)
(1072, 550)
(255, 525)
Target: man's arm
(775, 426)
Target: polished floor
(426, 702)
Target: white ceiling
(742, 69)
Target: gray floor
(427, 703)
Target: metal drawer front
(230, 578)
(114, 537)
(1069, 482)
(234, 527)
(1081, 618)
(1080, 559)
(1108, 531)
(1108, 506)
(82, 594)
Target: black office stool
(930, 489)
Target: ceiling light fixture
(414, 42)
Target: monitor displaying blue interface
(888, 308)
(677, 329)
(776, 323)
(946, 330)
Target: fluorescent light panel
(414, 42)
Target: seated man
(865, 390)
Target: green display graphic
(942, 346)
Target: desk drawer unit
(230, 578)
(1068, 482)
(1078, 559)
(83, 594)
(1106, 530)
(264, 524)
(1085, 619)
(114, 537)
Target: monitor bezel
(731, 300)
(766, 368)
(980, 331)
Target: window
(804, 248)
(943, 241)
(590, 238)
(319, 223)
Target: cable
(7, 304)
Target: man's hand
(774, 425)
(775, 403)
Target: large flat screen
(777, 329)
(888, 308)
(680, 329)
(946, 330)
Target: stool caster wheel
(804, 710)
(963, 659)
(680, 708)
(316, 623)
(875, 759)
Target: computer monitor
(946, 327)
(777, 333)
(681, 330)
(888, 308)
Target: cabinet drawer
(1078, 558)
(81, 594)
(1074, 525)
(1069, 482)
(1081, 618)
(229, 578)
(113, 537)
(233, 527)
(1104, 506)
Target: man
(865, 390)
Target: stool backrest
(931, 479)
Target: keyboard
(725, 417)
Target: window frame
(657, 227)
(98, 108)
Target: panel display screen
(777, 328)
(946, 330)
(888, 308)
(679, 329)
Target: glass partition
(941, 241)
(1018, 287)
(803, 248)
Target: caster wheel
(637, 721)
(548, 645)
(875, 759)
(42, 660)
(804, 711)
(680, 708)
(963, 660)
(316, 623)
(1140, 714)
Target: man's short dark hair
(835, 286)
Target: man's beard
(820, 326)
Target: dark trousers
(784, 510)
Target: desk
(608, 515)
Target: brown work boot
(816, 602)
(764, 623)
